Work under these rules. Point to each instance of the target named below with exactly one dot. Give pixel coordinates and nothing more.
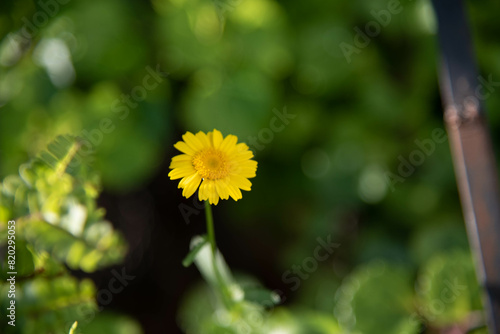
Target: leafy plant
(58, 227)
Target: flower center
(211, 164)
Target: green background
(232, 65)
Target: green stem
(226, 298)
(61, 167)
(210, 228)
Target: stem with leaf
(224, 290)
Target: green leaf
(196, 308)
(55, 202)
(283, 320)
(188, 260)
(261, 296)
(46, 265)
(73, 328)
(60, 153)
(435, 239)
(111, 323)
(201, 313)
(205, 264)
(447, 289)
(80, 251)
(24, 260)
(317, 323)
(50, 305)
(376, 298)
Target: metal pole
(471, 147)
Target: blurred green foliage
(57, 225)
(245, 306)
(231, 65)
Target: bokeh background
(331, 170)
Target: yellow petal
(245, 168)
(222, 190)
(191, 184)
(242, 147)
(204, 140)
(184, 148)
(192, 141)
(249, 164)
(180, 164)
(182, 157)
(213, 198)
(203, 193)
(240, 182)
(184, 182)
(234, 192)
(216, 138)
(178, 173)
(246, 172)
(242, 156)
(229, 144)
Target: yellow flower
(223, 165)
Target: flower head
(222, 166)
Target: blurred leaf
(24, 265)
(261, 296)
(77, 252)
(240, 104)
(105, 36)
(447, 289)
(376, 297)
(46, 265)
(205, 264)
(298, 321)
(112, 323)
(48, 305)
(429, 240)
(55, 201)
(195, 309)
(194, 251)
(73, 328)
